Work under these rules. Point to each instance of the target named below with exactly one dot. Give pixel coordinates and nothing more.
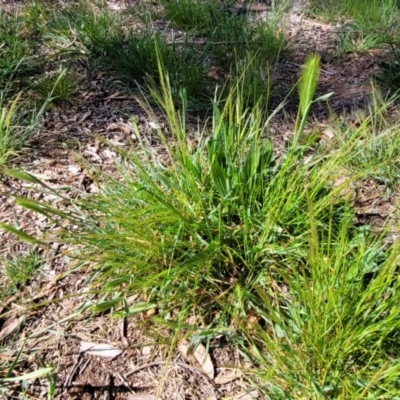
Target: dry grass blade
(100, 350)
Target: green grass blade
(21, 235)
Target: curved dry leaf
(226, 377)
(100, 350)
(198, 358)
(10, 327)
(121, 126)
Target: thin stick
(71, 374)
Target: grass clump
(379, 158)
(336, 333)
(16, 125)
(18, 51)
(136, 59)
(196, 17)
(61, 85)
(233, 39)
(20, 268)
(263, 251)
(373, 22)
(36, 16)
(19, 118)
(222, 230)
(247, 49)
(133, 56)
(375, 154)
(389, 75)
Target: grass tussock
(365, 25)
(213, 37)
(262, 251)
(19, 51)
(16, 125)
(213, 231)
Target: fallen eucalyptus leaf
(227, 377)
(198, 358)
(254, 394)
(10, 328)
(141, 396)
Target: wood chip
(149, 313)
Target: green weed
(389, 75)
(193, 16)
(373, 23)
(21, 268)
(263, 251)
(62, 87)
(18, 120)
(223, 231)
(19, 50)
(133, 57)
(234, 39)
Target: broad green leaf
(12, 110)
(168, 183)
(105, 305)
(251, 164)
(265, 155)
(219, 179)
(141, 306)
